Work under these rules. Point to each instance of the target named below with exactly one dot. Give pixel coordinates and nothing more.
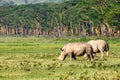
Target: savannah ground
(33, 58)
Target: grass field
(32, 58)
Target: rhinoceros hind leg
(107, 53)
(91, 57)
(88, 56)
(102, 54)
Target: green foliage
(69, 13)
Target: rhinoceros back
(94, 45)
(99, 45)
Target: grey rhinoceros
(76, 49)
(99, 46)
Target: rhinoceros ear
(61, 49)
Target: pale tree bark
(58, 28)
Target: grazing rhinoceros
(99, 46)
(76, 49)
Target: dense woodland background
(69, 18)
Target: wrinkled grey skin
(76, 49)
(99, 46)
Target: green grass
(32, 58)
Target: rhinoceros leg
(107, 49)
(107, 53)
(72, 56)
(102, 54)
(88, 56)
(91, 57)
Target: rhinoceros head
(62, 55)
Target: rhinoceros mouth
(62, 57)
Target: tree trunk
(58, 28)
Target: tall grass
(33, 58)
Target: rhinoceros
(99, 46)
(76, 49)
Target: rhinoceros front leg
(72, 56)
